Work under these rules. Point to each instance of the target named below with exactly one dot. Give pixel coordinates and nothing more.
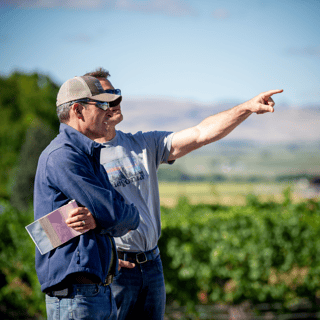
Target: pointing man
(131, 161)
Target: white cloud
(49, 4)
(167, 7)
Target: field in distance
(231, 193)
(249, 158)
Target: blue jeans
(86, 301)
(140, 292)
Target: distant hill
(286, 124)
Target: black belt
(139, 257)
(67, 287)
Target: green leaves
(26, 100)
(261, 252)
(20, 291)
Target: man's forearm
(219, 125)
(209, 130)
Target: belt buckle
(109, 280)
(144, 256)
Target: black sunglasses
(101, 104)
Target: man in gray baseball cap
(76, 276)
(79, 95)
(84, 87)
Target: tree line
(28, 123)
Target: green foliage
(25, 100)
(20, 293)
(38, 137)
(261, 252)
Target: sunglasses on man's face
(113, 91)
(101, 104)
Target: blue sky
(199, 50)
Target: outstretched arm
(219, 125)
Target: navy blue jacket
(69, 168)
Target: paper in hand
(51, 231)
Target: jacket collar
(78, 139)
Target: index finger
(271, 92)
(75, 212)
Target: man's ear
(77, 110)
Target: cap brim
(105, 97)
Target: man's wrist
(244, 108)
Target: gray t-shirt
(131, 161)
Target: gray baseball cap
(83, 87)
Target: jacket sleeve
(74, 176)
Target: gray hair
(63, 111)
(99, 73)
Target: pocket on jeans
(94, 305)
(89, 293)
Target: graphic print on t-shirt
(122, 172)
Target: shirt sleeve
(159, 143)
(73, 175)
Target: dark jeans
(140, 292)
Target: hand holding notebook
(51, 231)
